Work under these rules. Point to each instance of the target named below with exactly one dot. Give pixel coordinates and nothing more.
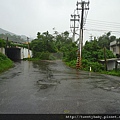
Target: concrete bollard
(90, 69)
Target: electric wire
(102, 26)
(100, 21)
(86, 14)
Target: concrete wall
(24, 53)
(111, 65)
(115, 47)
(2, 50)
(17, 53)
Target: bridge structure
(16, 52)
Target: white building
(111, 63)
(115, 47)
(25, 53)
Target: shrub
(5, 63)
(42, 55)
(96, 67)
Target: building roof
(118, 61)
(112, 59)
(114, 43)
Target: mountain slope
(12, 36)
(2, 31)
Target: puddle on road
(47, 82)
(52, 74)
(48, 79)
(45, 85)
(15, 74)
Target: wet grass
(112, 72)
(72, 64)
(5, 63)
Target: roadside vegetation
(92, 51)
(4, 43)
(60, 46)
(5, 63)
(112, 72)
(45, 45)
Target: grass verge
(96, 67)
(5, 63)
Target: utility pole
(6, 50)
(83, 8)
(105, 58)
(74, 19)
(28, 47)
(7, 42)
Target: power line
(86, 14)
(102, 30)
(103, 24)
(99, 21)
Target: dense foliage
(105, 39)
(2, 43)
(96, 50)
(46, 43)
(92, 51)
(5, 63)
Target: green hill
(11, 36)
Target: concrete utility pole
(105, 58)
(83, 8)
(74, 27)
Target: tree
(104, 40)
(93, 52)
(2, 43)
(43, 43)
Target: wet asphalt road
(53, 88)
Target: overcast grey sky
(27, 17)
